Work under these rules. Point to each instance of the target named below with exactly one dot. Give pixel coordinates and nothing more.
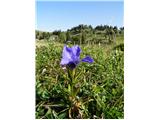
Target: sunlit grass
(102, 88)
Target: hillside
(83, 34)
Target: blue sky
(63, 15)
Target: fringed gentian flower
(71, 57)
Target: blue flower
(71, 57)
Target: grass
(102, 91)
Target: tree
(90, 27)
(68, 36)
(83, 37)
(46, 35)
(37, 34)
(56, 32)
(112, 35)
(121, 30)
(76, 39)
(62, 37)
(40, 36)
(115, 29)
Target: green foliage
(83, 37)
(76, 39)
(82, 34)
(68, 36)
(100, 86)
(62, 37)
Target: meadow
(100, 84)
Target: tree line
(82, 34)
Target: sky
(52, 15)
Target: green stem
(71, 75)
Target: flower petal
(76, 53)
(87, 59)
(76, 50)
(66, 55)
